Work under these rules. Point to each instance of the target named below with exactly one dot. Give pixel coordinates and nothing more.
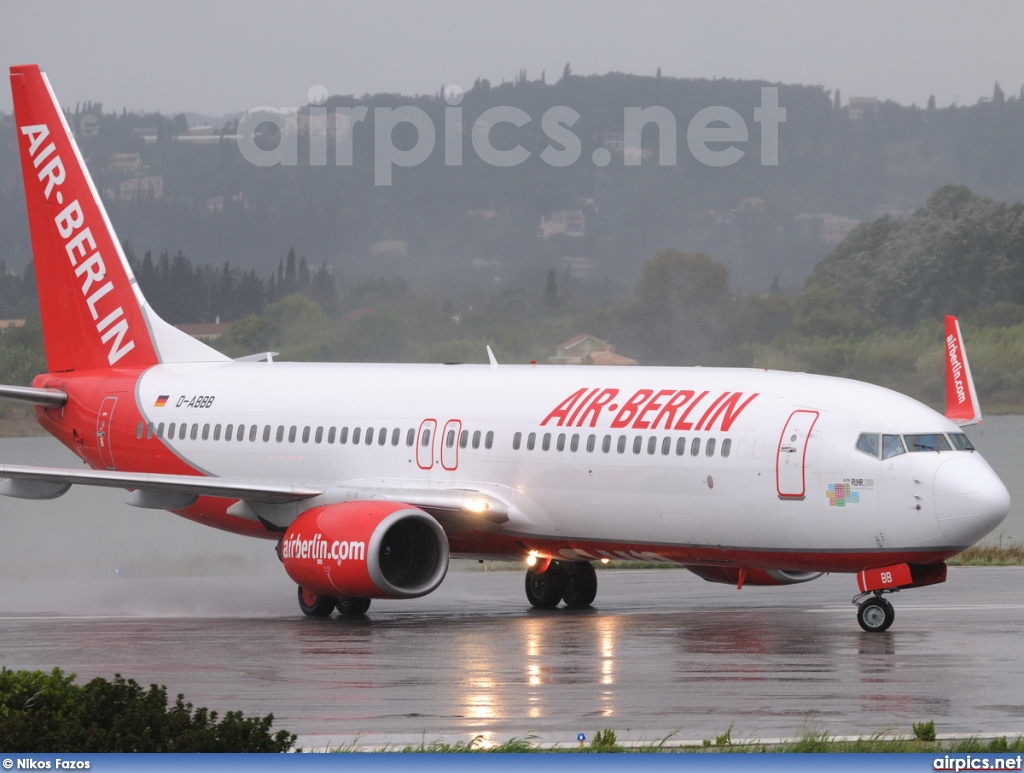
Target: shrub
(42, 712)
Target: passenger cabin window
(531, 441)
(709, 450)
(252, 433)
(476, 439)
(695, 447)
(410, 437)
(666, 446)
(292, 433)
(464, 438)
(382, 436)
(930, 442)
(591, 443)
(195, 432)
(681, 447)
(489, 439)
(369, 436)
(546, 442)
(574, 444)
(517, 440)
(621, 446)
(726, 446)
(357, 432)
(960, 441)
(638, 444)
(343, 436)
(396, 436)
(319, 436)
(560, 445)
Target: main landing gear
(874, 613)
(313, 605)
(549, 582)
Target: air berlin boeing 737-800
(370, 477)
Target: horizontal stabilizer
(48, 398)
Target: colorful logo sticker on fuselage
(840, 495)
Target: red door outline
(425, 444)
(103, 423)
(791, 456)
(450, 451)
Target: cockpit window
(867, 443)
(929, 442)
(961, 442)
(892, 445)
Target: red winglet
(961, 397)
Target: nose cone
(970, 500)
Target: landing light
(477, 505)
(531, 559)
(605, 560)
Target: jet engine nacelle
(730, 575)
(365, 549)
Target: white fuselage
(656, 484)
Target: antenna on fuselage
(492, 358)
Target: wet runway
(662, 652)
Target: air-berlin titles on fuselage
(70, 220)
(670, 409)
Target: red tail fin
(91, 317)
(93, 313)
(961, 397)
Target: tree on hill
(958, 253)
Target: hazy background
(220, 57)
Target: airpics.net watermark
(721, 127)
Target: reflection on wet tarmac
(473, 659)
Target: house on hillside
(204, 331)
(568, 222)
(585, 349)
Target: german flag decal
(161, 401)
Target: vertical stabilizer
(93, 313)
(961, 397)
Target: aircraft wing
(48, 398)
(175, 492)
(50, 482)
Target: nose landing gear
(875, 614)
